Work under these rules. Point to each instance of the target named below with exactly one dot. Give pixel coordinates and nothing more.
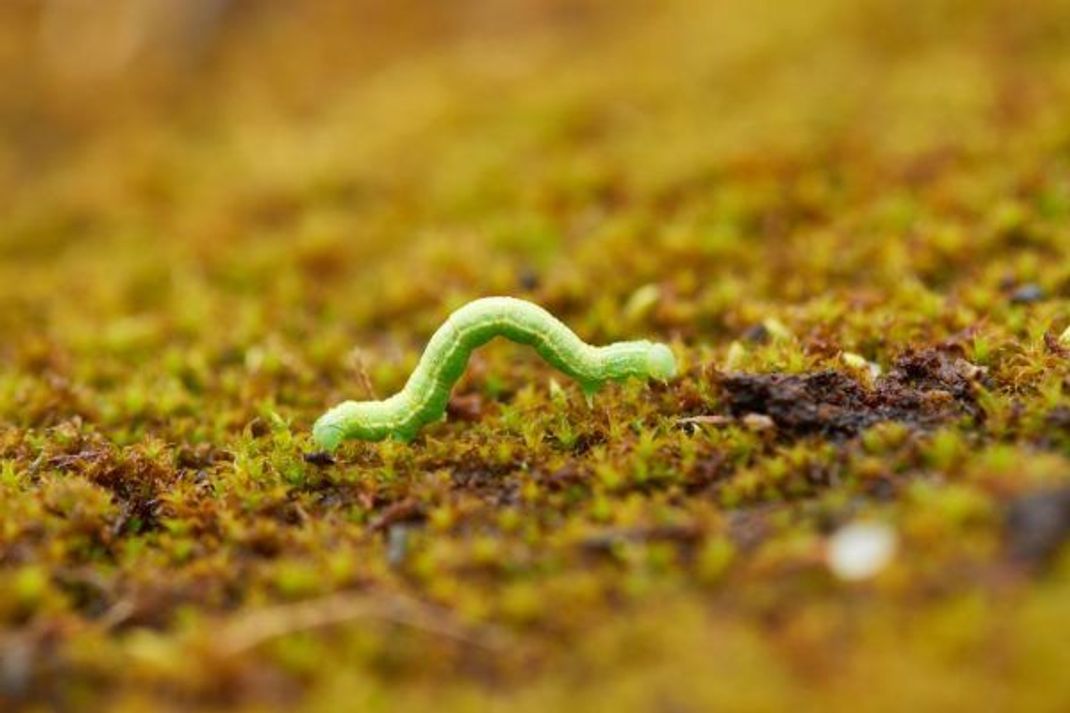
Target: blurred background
(232, 147)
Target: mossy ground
(202, 250)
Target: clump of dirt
(133, 478)
(924, 388)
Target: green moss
(200, 259)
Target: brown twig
(257, 627)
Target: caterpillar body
(424, 396)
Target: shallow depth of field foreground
(850, 221)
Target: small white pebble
(860, 550)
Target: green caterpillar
(423, 400)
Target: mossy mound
(850, 220)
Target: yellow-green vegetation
(851, 221)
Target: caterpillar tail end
(661, 362)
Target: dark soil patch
(320, 458)
(924, 388)
(134, 479)
(1038, 524)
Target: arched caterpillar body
(423, 399)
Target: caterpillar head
(349, 419)
(661, 363)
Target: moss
(848, 219)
